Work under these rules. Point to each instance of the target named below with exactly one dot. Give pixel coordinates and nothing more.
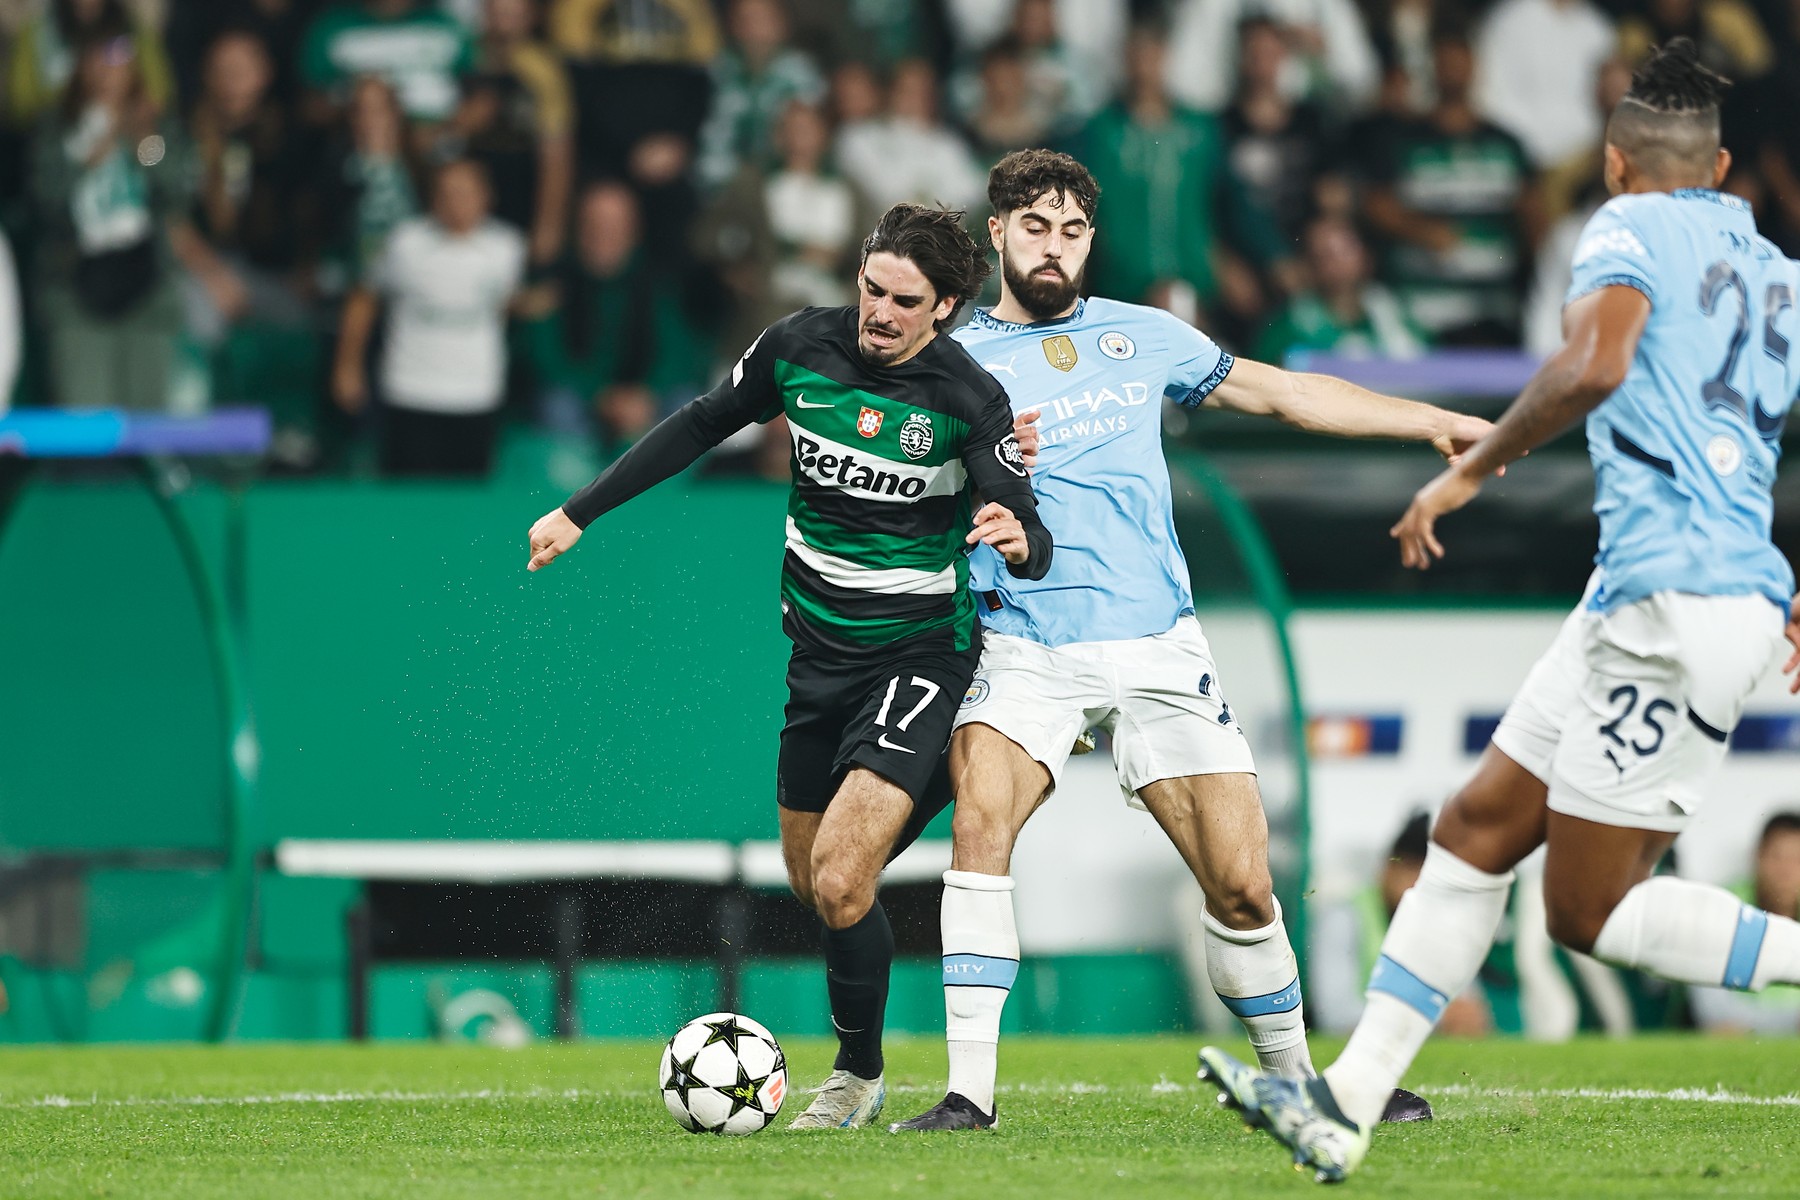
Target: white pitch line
(1717, 1095)
(384, 1097)
(485, 1094)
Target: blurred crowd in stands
(403, 221)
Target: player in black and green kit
(892, 428)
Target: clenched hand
(552, 535)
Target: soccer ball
(723, 1073)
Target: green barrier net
(121, 884)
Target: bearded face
(1043, 253)
(1040, 284)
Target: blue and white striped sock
(1699, 934)
(1255, 975)
(1434, 946)
(981, 961)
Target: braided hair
(1668, 123)
(1674, 80)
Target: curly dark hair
(1024, 175)
(934, 240)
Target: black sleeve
(997, 471)
(747, 394)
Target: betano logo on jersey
(838, 466)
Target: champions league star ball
(723, 1073)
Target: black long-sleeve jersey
(884, 458)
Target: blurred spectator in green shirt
(1457, 202)
(368, 184)
(1170, 200)
(420, 51)
(1343, 310)
(758, 75)
(112, 180)
(620, 346)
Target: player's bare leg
(1588, 869)
(1217, 825)
(851, 845)
(998, 786)
(1603, 899)
(1498, 817)
(834, 862)
(798, 832)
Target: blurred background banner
(309, 307)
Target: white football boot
(843, 1101)
(1301, 1114)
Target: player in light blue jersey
(1108, 637)
(1680, 352)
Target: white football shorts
(1626, 717)
(1158, 697)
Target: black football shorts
(890, 712)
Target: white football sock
(1254, 973)
(981, 960)
(1699, 934)
(1435, 945)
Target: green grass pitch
(1656, 1117)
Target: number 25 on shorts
(1626, 695)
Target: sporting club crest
(1060, 351)
(916, 436)
(868, 422)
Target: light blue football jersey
(1685, 450)
(1098, 377)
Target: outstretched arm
(671, 447)
(1602, 330)
(1323, 404)
(668, 449)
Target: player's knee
(1494, 820)
(800, 883)
(1573, 924)
(842, 897)
(1243, 904)
(982, 837)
